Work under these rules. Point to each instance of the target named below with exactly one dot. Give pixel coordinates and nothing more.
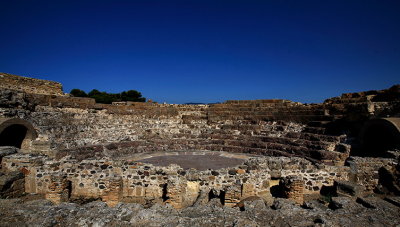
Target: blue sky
(205, 51)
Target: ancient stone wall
(263, 127)
(147, 184)
(91, 147)
(30, 85)
(361, 105)
(365, 170)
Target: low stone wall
(132, 181)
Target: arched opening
(17, 133)
(379, 136)
(213, 194)
(13, 135)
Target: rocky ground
(341, 211)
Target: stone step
(314, 130)
(249, 147)
(318, 123)
(262, 140)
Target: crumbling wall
(30, 85)
(123, 130)
(365, 170)
(148, 184)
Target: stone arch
(16, 132)
(380, 135)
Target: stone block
(368, 202)
(346, 188)
(248, 190)
(6, 150)
(343, 202)
(240, 171)
(113, 191)
(395, 200)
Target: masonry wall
(147, 184)
(30, 85)
(365, 170)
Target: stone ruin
(74, 149)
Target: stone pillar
(175, 194)
(293, 188)
(192, 193)
(58, 190)
(233, 195)
(113, 191)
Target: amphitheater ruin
(74, 149)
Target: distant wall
(30, 85)
(80, 126)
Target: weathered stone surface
(285, 212)
(293, 188)
(395, 200)
(341, 202)
(348, 188)
(4, 151)
(97, 213)
(149, 184)
(12, 185)
(285, 204)
(30, 85)
(58, 189)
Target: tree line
(108, 98)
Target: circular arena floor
(199, 162)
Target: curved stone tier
(78, 148)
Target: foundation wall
(148, 184)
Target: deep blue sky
(205, 51)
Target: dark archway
(13, 135)
(379, 136)
(16, 132)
